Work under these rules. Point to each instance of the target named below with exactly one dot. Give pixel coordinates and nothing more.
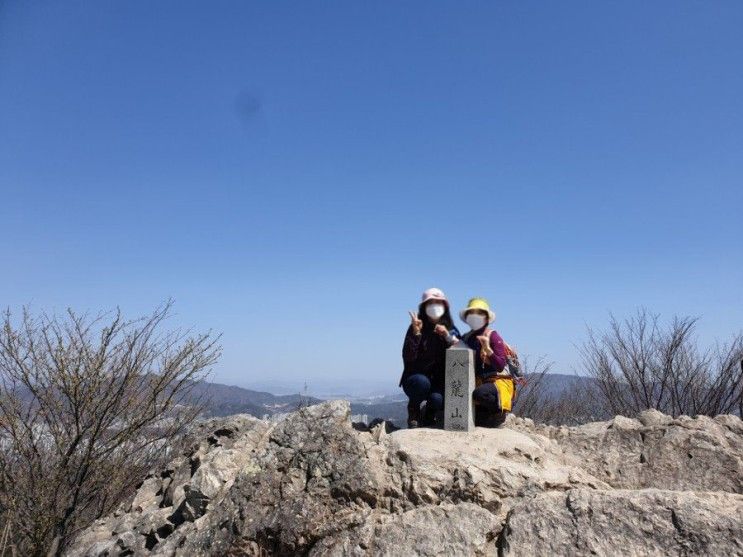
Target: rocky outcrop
(177, 496)
(624, 522)
(312, 484)
(700, 454)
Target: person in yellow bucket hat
(478, 306)
(495, 388)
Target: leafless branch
(86, 405)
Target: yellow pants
(506, 390)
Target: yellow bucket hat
(478, 303)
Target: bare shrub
(532, 395)
(86, 408)
(639, 364)
(571, 401)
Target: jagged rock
(637, 522)
(215, 452)
(389, 427)
(654, 417)
(313, 481)
(464, 529)
(488, 466)
(314, 484)
(700, 454)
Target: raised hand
(416, 322)
(485, 348)
(484, 341)
(441, 331)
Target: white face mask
(475, 321)
(435, 311)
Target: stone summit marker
(460, 382)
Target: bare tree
(86, 407)
(531, 394)
(570, 403)
(638, 364)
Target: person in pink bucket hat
(430, 333)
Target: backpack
(512, 362)
(512, 375)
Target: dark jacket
(496, 363)
(426, 354)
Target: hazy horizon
(324, 388)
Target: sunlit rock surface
(312, 484)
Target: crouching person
(495, 387)
(430, 333)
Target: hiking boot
(427, 417)
(414, 415)
(496, 419)
(439, 419)
(481, 417)
(485, 417)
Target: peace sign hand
(416, 323)
(486, 350)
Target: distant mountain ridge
(226, 400)
(220, 400)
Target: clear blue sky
(295, 174)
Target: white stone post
(459, 413)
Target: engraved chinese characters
(460, 382)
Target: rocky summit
(315, 484)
